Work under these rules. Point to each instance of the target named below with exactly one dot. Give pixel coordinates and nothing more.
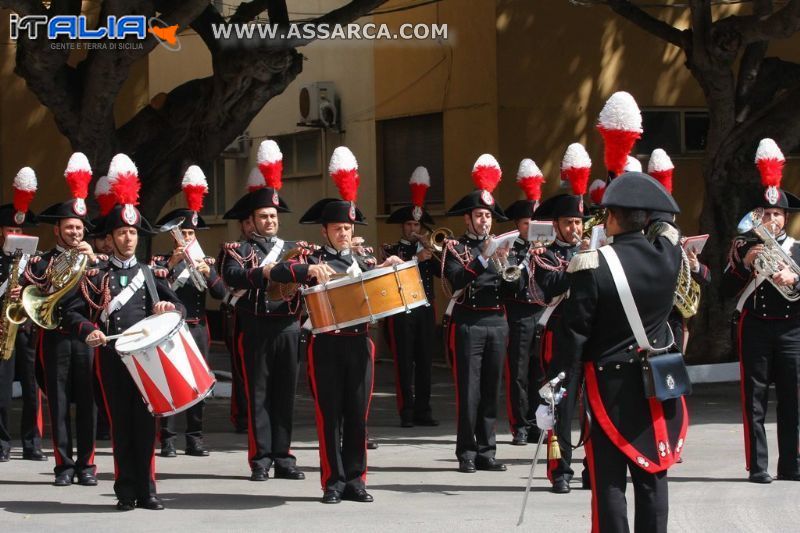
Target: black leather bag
(665, 376)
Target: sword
(553, 382)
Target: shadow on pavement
(52, 507)
(227, 502)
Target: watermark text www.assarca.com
(330, 32)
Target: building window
(678, 131)
(403, 145)
(214, 205)
(302, 154)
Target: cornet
(508, 272)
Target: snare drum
(166, 365)
(372, 295)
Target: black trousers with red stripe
(609, 469)
(565, 412)
(479, 341)
(68, 364)
(21, 364)
(133, 428)
(194, 414)
(341, 372)
(523, 364)
(269, 348)
(238, 389)
(31, 420)
(411, 338)
(769, 352)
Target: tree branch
(248, 11)
(750, 65)
(647, 22)
(23, 8)
(781, 24)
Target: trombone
(434, 241)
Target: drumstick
(144, 332)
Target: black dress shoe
(87, 479)
(520, 438)
(197, 451)
(332, 496)
(259, 474)
(290, 472)
(152, 503)
(63, 480)
(357, 495)
(103, 436)
(126, 505)
(34, 455)
(426, 421)
(533, 435)
(490, 465)
(586, 483)
(372, 444)
(760, 477)
(168, 450)
(5, 455)
(241, 430)
(466, 467)
(560, 486)
(406, 423)
(789, 477)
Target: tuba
(65, 272)
(774, 258)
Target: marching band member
(13, 218)
(410, 334)
(228, 307)
(522, 311)
(661, 168)
(479, 332)
(567, 212)
(768, 332)
(119, 295)
(630, 432)
(269, 329)
(192, 293)
(340, 363)
(66, 361)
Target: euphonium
(773, 259)
(65, 272)
(12, 313)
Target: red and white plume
(596, 191)
(576, 167)
(25, 186)
(78, 176)
(620, 125)
(661, 168)
(195, 187)
(105, 198)
(632, 164)
(486, 173)
(255, 180)
(530, 179)
(124, 179)
(270, 163)
(770, 161)
(343, 168)
(419, 184)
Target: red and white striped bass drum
(166, 364)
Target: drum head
(159, 327)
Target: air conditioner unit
(319, 104)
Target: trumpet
(198, 279)
(507, 271)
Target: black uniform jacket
(429, 269)
(484, 288)
(593, 327)
(193, 299)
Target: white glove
(546, 393)
(544, 418)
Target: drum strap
(124, 296)
(150, 282)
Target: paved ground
(412, 476)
